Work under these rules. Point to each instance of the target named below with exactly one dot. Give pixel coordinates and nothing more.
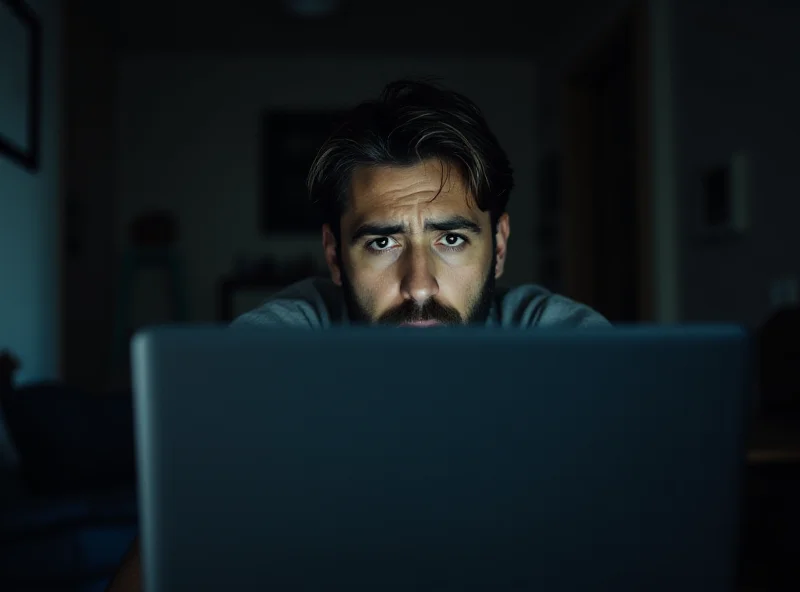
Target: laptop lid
(446, 459)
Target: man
(413, 188)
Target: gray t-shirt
(317, 303)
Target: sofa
(68, 505)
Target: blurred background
(653, 144)
(157, 174)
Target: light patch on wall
(312, 8)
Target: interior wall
(736, 91)
(88, 225)
(188, 140)
(29, 214)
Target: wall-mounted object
(723, 210)
(290, 142)
(154, 229)
(20, 83)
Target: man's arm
(129, 575)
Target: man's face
(415, 249)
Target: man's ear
(331, 255)
(501, 244)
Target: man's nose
(418, 282)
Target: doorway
(606, 201)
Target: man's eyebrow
(453, 223)
(444, 225)
(376, 230)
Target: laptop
(388, 460)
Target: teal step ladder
(136, 259)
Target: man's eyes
(383, 243)
(451, 241)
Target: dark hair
(410, 122)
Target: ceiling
(448, 26)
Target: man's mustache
(411, 312)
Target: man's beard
(431, 309)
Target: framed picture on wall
(290, 141)
(20, 83)
(723, 212)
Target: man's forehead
(400, 177)
(425, 190)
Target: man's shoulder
(530, 305)
(316, 303)
(313, 303)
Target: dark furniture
(68, 512)
(771, 526)
(771, 514)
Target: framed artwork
(20, 83)
(723, 212)
(290, 141)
